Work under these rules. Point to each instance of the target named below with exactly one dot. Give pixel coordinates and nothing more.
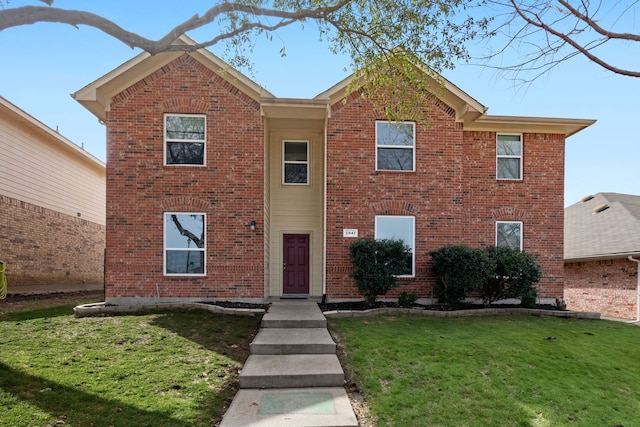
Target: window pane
(509, 234)
(295, 173)
(398, 228)
(184, 231)
(395, 159)
(185, 262)
(295, 151)
(394, 133)
(509, 168)
(509, 145)
(185, 128)
(185, 153)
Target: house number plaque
(349, 232)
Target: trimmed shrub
(516, 273)
(406, 299)
(460, 270)
(376, 265)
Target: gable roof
(603, 226)
(96, 96)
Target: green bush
(516, 274)
(406, 299)
(461, 270)
(376, 265)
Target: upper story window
(395, 146)
(509, 234)
(295, 168)
(397, 227)
(184, 244)
(509, 156)
(184, 137)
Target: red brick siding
(229, 189)
(608, 287)
(454, 194)
(46, 251)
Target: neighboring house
(601, 255)
(217, 189)
(52, 208)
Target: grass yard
(494, 371)
(165, 369)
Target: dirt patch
(20, 302)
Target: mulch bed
(361, 305)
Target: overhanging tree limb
(546, 33)
(27, 15)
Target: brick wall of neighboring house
(453, 194)
(228, 189)
(608, 287)
(46, 251)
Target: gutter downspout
(324, 210)
(631, 258)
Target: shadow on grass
(223, 334)
(75, 406)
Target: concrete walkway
(293, 376)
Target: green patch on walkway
(297, 403)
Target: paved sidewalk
(293, 377)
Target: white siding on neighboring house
(41, 167)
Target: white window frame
(411, 244)
(197, 141)
(521, 227)
(403, 147)
(504, 156)
(296, 162)
(166, 249)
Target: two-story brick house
(217, 189)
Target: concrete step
(293, 341)
(291, 371)
(299, 314)
(314, 407)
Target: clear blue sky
(42, 64)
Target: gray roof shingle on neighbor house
(606, 225)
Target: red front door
(295, 268)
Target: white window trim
(413, 246)
(164, 249)
(307, 162)
(164, 138)
(520, 157)
(511, 222)
(413, 157)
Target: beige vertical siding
(42, 168)
(296, 209)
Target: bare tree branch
(26, 15)
(547, 33)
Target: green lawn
(166, 369)
(494, 371)
(180, 368)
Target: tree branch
(26, 15)
(539, 23)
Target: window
(395, 144)
(399, 228)
(184, 137)
(184, 243)
(509, 234)
(509, 156)
(296, 162)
